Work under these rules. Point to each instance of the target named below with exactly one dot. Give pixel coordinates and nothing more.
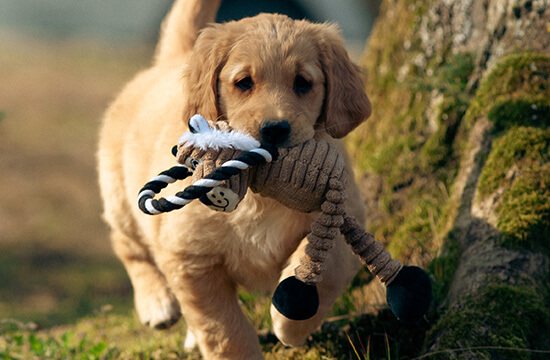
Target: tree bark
(455, 164)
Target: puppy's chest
(266, 234)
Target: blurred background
(61, 63)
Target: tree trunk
(455, 164)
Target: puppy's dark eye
(302, 85)
(245, 84)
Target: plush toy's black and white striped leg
(202, 136)
(151, 206)
(159, 182)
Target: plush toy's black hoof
(295, 299)
(409, 295)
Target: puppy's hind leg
(155, 304)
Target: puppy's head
(280, 80)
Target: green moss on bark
(527, 110)
(518, 167)
(515, 97)
(521, 148)
(423, 114)
(497, 315)
(524, 214)
(515, 175)
(519, 78)
(410, 144)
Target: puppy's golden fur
(192, 261)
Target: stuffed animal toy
(309, 177)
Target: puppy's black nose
(275, 133)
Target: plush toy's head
(228, 194)
(208, 146)
(298, 179)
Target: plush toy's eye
(302, 85)
(244, 84)
(192, 163)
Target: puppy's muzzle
(275, 132)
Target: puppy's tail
(181, 27)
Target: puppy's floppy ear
(346, 104)
(201, 74)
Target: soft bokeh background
(61, 63)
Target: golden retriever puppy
(283, 82)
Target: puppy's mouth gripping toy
(309, 177)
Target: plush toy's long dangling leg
(323, 232)
(297, 297)
(409, 291)
(371, 252)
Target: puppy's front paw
(158, 310)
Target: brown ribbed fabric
(309, 178)
(299, 178)
(371, 252)
(323, 232)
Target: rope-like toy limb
(156, 184)
(370, 251)
(324, 230)
(329, 224)
(151, 206)
(296, 297)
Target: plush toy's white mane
(204, 137)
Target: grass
(114, 332)
(106, 335)
(50, 288)
(103, 335)
(66, 346)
